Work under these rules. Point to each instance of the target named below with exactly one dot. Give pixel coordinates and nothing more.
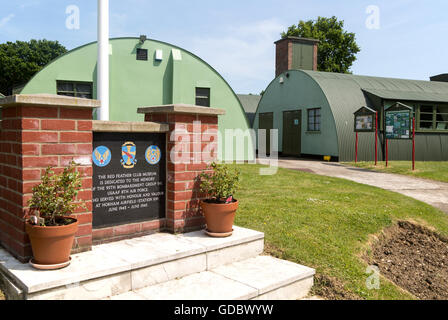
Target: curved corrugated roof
(346, 94)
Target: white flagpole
(103, 59)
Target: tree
(337, 47)
(20, 61)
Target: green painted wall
(300, 92)
(136, 83)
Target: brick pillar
(38, 131)
(193, 138)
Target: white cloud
(244, 54)
(4, 21)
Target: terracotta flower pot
(219, 217)
(52, 245)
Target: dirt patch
(331, 288)
(414, 258)
(273, 251)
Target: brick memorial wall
(43, 130)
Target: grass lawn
(325, 223)
(428, 170)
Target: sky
(398, 38)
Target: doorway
(292, 133)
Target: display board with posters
(365, 120)
(398, 121)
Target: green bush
(221, 184)
(54, 197)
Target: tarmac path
(431, 192)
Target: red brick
(127, 229)
(84, 218)
(39, 162)
(82, 160)
(11, 124)
(27, 187)
(208, 119)
(180, 196)
(38, 112)
(30, 124)
(177, 205)
(75, 113)
(85, 171)
(85, 195)
(153, 225)
(83, 242)
(197, 167)
(31, 174)
(39, 136)
(181, 118)
(84, 125)
(76, 137)
(99, 234)
(87, 183)
(83, 230)
(58, 125)
(9, 112)
(185, 176)
(83, 149)
(58, 149)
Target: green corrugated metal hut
(250, 104)
(320, 107)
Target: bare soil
(414, 258)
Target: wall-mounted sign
(365, 120)
(129, 178)
(398, 120)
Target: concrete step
(261, 278)
(129, 265)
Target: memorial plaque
(129, 178)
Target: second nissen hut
(314, 111)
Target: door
(292, 133)
(266, 122)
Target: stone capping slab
(182, 109)
(48, 100)
(117, 126)
(123, 256)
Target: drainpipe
(103, 59)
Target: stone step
(260, 278)
(119, 267)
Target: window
(142, 54)
(314, 120)
(442, 118)
(203, 97)
(426, 117)
(75, 89)
(433, 117)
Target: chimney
(293, 53)
(441, 77)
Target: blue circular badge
(101, 156)
(153, 155)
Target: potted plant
(220, 206)
(49, 226)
